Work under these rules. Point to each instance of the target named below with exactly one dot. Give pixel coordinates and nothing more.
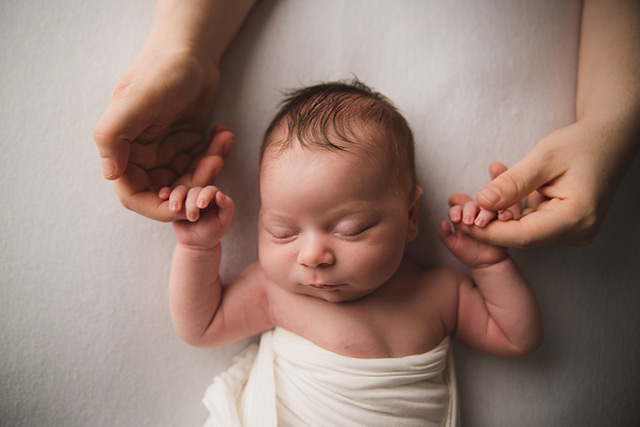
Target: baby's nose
(315, 252)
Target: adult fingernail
(108, 168)
(489, 195)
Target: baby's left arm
(498, 313)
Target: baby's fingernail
(480, 222)
(202, 203)
(193, 217)
(490, 195)
(174, 206)
(505, 216)
(468, 220)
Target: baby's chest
(366, 331)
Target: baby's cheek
(379, 263)
(272, 263)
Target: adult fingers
(211, 163)
(130, 112)
(496, 168)
(133, 191)
(538, 229)
(514, 184)
(459, 199)
(221, 141)
(207, 170)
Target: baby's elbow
(528, 345)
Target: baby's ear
(414, 218)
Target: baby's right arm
(195, 288)
(206, 313)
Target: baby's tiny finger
(176, 198)
(485, 217)
(206, 196)
(192, 210)
(225, 208)
(469, 213)
(505, 215)
(455, 214)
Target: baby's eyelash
(356, 232)
(284, 236)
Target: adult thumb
(130, 112)
(514, 184)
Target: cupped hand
(558, 194)
(152, 133)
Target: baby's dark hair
(344, 116)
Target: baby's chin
(333, 294)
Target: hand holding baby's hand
(208, 211)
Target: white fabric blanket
(289, 380)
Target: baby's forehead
(356, 137)
(358, 155)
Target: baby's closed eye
(351, 229)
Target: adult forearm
(207, 25)
(608, 91)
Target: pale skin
(331, 268)
(151, 135)
(568, 180)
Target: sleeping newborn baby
(352, 333)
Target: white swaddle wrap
(318, 387)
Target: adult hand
(558, 194)
(571, 176)
(151, 135)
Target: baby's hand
(465, 211)
(192, 200)
(208, 211)
(471, 252)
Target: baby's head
(338, 197)
(350, 118)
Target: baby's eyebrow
(276, 217)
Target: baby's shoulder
(256, 278)
(430, 299)
(429, 277)
(433, 286)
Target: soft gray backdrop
(86, 336)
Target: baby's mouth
(323, 287)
